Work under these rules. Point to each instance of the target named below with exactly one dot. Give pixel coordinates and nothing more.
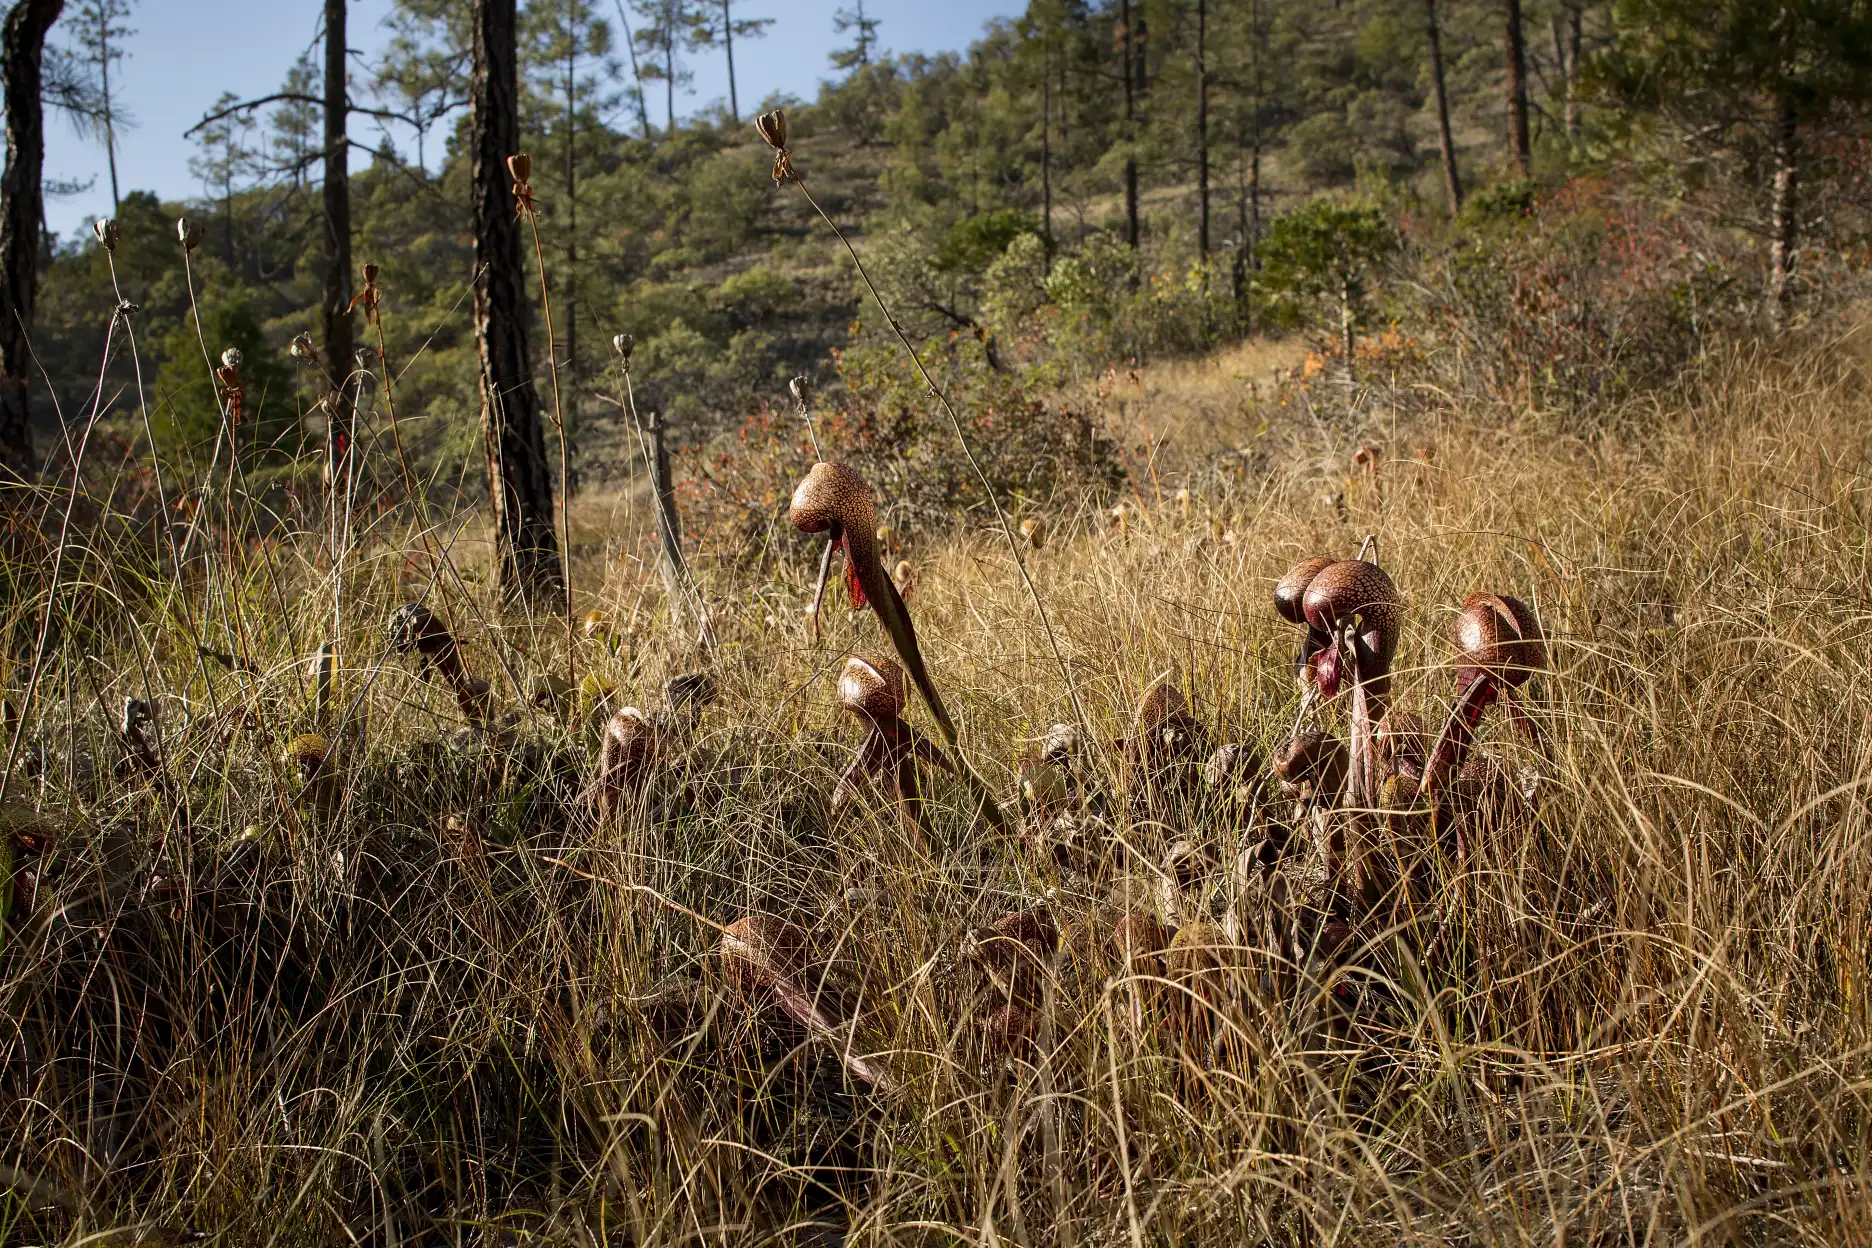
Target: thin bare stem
(565, 500)
(58, 560)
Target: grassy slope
(1638, 1015)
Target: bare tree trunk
(22, 221)
(630, 45)
(1130, 168)
(1346, 337)
(526, 548)
(572, 235)
(1452, 183)
(669, 82)
(1785, 226)
(1516, 47)
(1573, 70)
(669, 521)
(1046, 145)
(727, 30)
(1202, 126)
(336, 294)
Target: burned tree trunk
(525, 546)
(22, 219)
(336, 294)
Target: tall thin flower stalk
(520, 165)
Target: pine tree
(98, 27)
(567, 49)
(526, 547)
(725, 28)
(1748, 76)
(863, 30)
(671, 29)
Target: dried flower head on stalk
(188, 233)
(773, 128)
(520, 165)
(624, 344)
(232, 388)
(107, 233)
(370, 297)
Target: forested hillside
(1091, 185)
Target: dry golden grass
(1639, 1016)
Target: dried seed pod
(801, 390)
(188, 233)
(302, 349)
(105, 229)
(773, 128)
(232, 358)
(624, 344)
(520, 165)
(1034, 529)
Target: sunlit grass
(368, 1007)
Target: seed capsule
(773, 128)
(520, 165)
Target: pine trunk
(526, 549)
(1452, 183)
(1516, 47)
(1046, 148)
(1130, 167)
(336, 295)
(1573, 72)
(1785, 226)
(727, 29)
(572, 234)
(22, 222)
(1202, 125)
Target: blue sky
(187, 52)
